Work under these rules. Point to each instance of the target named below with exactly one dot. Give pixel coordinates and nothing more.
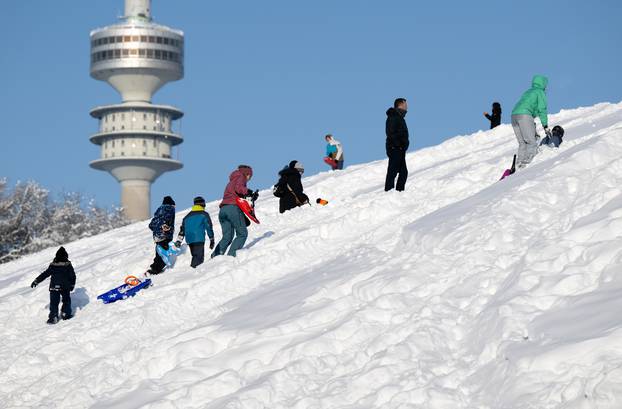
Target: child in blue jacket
(193, 228)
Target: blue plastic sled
(123, 291)
(168, 256)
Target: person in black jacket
(495, 118)
(397, 145)
(291, 184)
(62, 282)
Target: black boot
(52, 320)
(65, 316)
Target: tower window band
(135, 39)
(136, 53)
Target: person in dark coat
(163, 227)
(62, 283)
(495, 118)
(291, 182)
(193, 229)
(396, 145)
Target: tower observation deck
(136, 57)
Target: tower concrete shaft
(137, 138)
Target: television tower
(136, 57)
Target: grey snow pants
(525, 131)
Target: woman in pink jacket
(231, 218)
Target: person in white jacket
(334, 150)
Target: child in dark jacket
(163, 227)
(555, 138)
(193, 228)
(62, 282)
(495, 118)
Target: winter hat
(199, 201)
(168, 201)
(558, 131)
(299, 166)
(496, 107)
(61, 255)
(246, 170)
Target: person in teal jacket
(532, 104)
(334, 150)
(193, 228)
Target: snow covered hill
(462, 292)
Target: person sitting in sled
(334, 153)
(230, 216)
(193, 229)
(163, 228)
(62, 283)
(290, 183)
(555, 138)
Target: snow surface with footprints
(461, 292)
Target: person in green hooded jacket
(532, 104)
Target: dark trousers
(55, 297)
(198, 254)
(158, 264)
(397, 167)
(339, 165)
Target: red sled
(248, 209)
(330, 162)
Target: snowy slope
(462, 292)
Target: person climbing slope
(334, 151)
(533, 103)
(62, 283)
(290, 184)
(162, 226)
(495, 118)
(193, 228)
(231, 218)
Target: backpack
(164, 215)
(280, 189)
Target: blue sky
(264, 81)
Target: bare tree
(31, 221)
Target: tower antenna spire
(138, 10)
